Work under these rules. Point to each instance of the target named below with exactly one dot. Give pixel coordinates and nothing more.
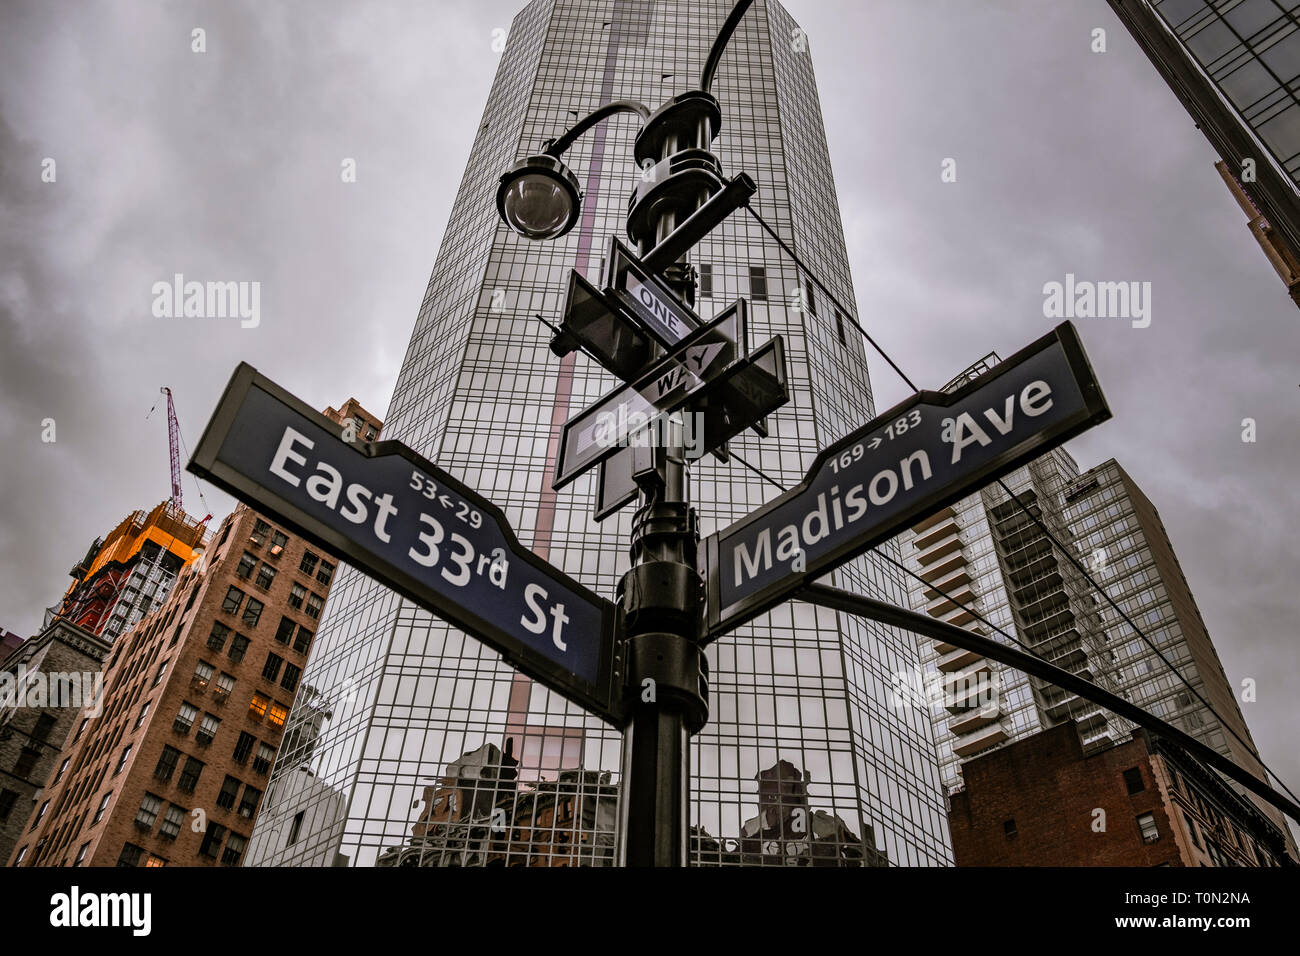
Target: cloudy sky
(226, 165)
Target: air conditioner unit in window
(276, 550)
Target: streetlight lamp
(539, 198)
(681, 196)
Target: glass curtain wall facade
(1235, 67)
(414, 720)
(1250, 49)
(1126, 545)
(983, 554)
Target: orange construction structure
(131, 570)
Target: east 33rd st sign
(415, 528)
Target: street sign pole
(662, 595)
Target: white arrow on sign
(602, 428)
(701, 357)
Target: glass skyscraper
(1235, 67)
(408, 720)
(984, 556)
(1251, 50)
(1121, 534)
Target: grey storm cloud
(225, 166)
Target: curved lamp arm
(720, 44)
(556, 147)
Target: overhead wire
(811, 276)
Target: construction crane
(174, 439)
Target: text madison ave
(845, 506)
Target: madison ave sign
(414, 528)
(923, 454)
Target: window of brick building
(234, 850)
(217, 639)
(130, 856)
(190, 775)
(244, 747)
(212, 838)
(271, 669)
(284, 633)
(171, 825)
(262, 762)
(248, 802)
(167, 763)
(26, 761)
(207, 730)
(202, 674)
(237, 648)
(150, 807)
(225, 684)
(1147, 825)
(265, 577)
(185, 718)
(277, 715)
(233, 599)
(44, 724)
(229, 788)
(1133, 780)
(252, 612)
(257, 707)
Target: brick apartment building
(35, 724)
(196, 697)
(1041, 802)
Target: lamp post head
(539, 198)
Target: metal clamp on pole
(672, 674)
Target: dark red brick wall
(1051, 790)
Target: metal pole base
(656, 764)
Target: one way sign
(600, 430)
